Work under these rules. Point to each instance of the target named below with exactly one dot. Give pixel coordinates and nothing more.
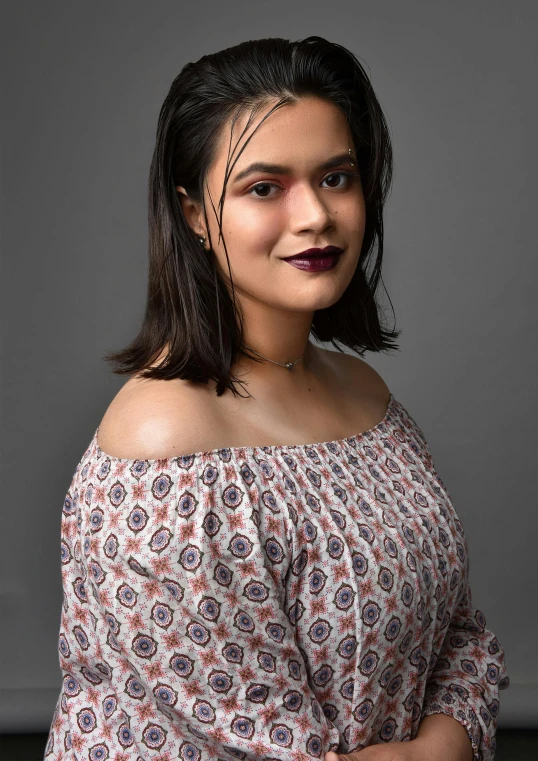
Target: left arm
(444, 738)
(439, 738)
(465, 682)
(461, 699)
(470, 669)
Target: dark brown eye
(255, 189)
(261, 185)
(344, 174)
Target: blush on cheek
(259, 224)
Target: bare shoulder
(364, 383)
(151, 419)
(365, 373)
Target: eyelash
(272, 184)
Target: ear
(192, 211)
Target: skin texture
(283, 215)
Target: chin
(313, 304)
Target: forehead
(300, 135)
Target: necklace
(287, 365)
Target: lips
(316, 253)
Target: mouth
(315, 253)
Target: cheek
(352, 222)
(352, 213)
(253, 228)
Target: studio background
(82, 88)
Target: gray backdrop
(83, 84)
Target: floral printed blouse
(270, 602)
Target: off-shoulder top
(269, 602)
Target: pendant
(289, 365)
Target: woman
(277, 574)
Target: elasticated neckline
(267, 450)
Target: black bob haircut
(189, 309)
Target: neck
(273, 373)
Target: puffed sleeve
(470, 669)
(187, 561)
(468, 674)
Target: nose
(307, 210)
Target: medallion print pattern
(268, 603)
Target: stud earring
(201, 238)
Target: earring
(201, 238)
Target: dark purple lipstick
(315, 259)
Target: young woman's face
(269, 214)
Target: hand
(439, 738)
(412, 750)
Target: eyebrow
(278, 169)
